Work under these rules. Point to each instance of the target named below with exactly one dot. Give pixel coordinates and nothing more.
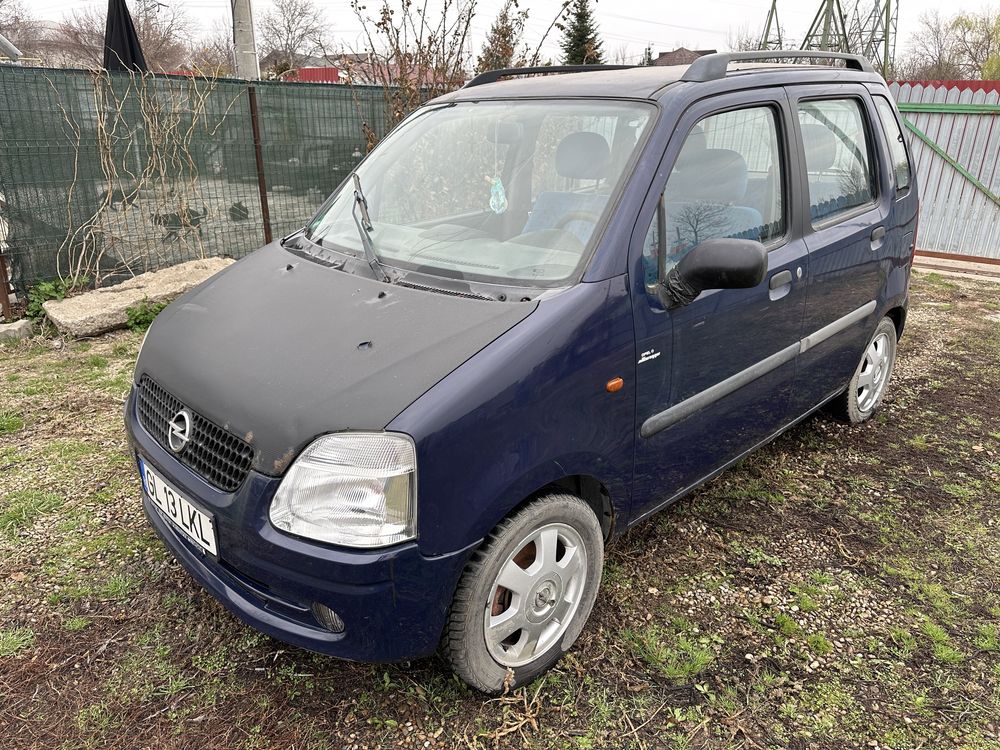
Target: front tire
(867, 387)
(525, 594)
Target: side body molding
(687, 407)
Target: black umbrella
(122, 51)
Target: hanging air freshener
(498, 196)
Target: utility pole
(244, 44)
(12, 53)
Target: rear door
(901, 224)
(714, 377)
(845, 233)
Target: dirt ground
(838, 589)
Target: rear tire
(549, 554)
(868, 385)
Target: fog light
(327, 618)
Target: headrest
(718, 176)
(693, 148)
(820, 145)
(583, 156)
(506, 131)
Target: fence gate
(951, 125)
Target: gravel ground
(838, 589)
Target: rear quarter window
(901, 168)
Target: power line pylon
(771, 38)
(829, 29)
(872, 32)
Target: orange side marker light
(614, 385)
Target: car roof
(649, 82)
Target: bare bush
(145, 130)
(414, 51)
(214, 54)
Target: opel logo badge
(179, 430)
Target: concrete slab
(102, 310)
(21, 329)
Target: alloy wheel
(535, 595)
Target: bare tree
(213, 54)
(291, 31)
(17, 25)
(504, 46)
(742, 39)
(695, 222)
(933, 51)
(620, 54)
(163, 32)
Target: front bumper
(393, 601)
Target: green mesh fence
(111, 176)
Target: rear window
(838, 156)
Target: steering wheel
(591, 217)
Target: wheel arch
(588, 488)
(898, 317)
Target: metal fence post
(5, 289)
(259, 158)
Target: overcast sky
(634, 24)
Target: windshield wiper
(365, 227)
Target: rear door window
(838, 156)
(901, 169)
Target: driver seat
(579, 156)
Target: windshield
(498, 192)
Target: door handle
(780, 279)
(878, 234)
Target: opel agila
(542, 309)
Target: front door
(714, 377)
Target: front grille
(218, 456)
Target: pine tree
(580, 43)
(502, 47)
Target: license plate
(195, 524)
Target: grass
(678, 656)
(10, 422)
(15, 640)
(819, 644)
(21, 507)
(835, 589)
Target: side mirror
(714, 264)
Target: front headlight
(352, 488)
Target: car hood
(278, 349)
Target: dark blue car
(541, 310)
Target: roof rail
(492, 76)
(714, 67)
